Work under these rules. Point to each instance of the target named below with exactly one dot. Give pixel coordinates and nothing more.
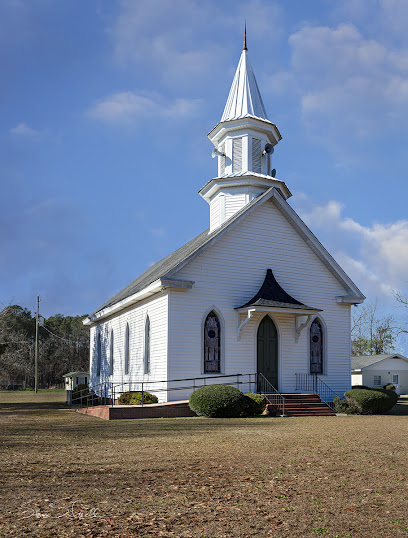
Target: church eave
(245, 122)
(243, 179)
(160, 285)
(284, 309)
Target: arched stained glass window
(127, 350)
(111, 353)
(316, 347)
(212, 344)
(147, 347)
(98, 354)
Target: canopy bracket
(300, 326)
(244, 322)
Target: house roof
(71, 374)
(271, 294)
(363, 361)
(168, 266)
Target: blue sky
(105, 107)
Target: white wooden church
(254, 293)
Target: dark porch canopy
(272, 296)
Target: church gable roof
(169, 266)
(177, 259)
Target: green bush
(390, 386)
(360, 387)
(255, 403)
(136, 398)
(342, 405)
(371, 401)
(148, 398)
(217, 401)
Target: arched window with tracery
(111, 353)
(98, 354)
(212, 344)
(147, 347)
(316, 347)
(127, 346)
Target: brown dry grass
(195, 477)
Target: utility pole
(36, 345)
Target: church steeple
(244, 97)
(244, 141)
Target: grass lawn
(66, 474)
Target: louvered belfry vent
(256, 155)
(237, 155)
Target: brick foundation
(163, 410)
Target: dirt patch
(66, 474)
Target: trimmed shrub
(342, 405)
(135, 398)
(360, 387)
(148, 398)
(371, 401)
(390, 386)
(255, 403)
(217, 401)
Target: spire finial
(245, 45)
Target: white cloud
(145, 31)
(346, 83)
(375, 256)
(22, 129)
(130, 108)
(176, 38)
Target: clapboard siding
(215, 212)
(230, 272)
(234, 204)
(157, 310)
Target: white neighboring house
(380, 370)
(255, 293)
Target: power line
(60, 337)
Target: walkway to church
(297, 405)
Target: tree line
(63, 346)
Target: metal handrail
(108, 390)
(311, 382)
(272, 394)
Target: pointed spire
(245, 45)
(244, 97)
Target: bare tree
(372, 332)
(403, 300)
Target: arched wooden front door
(267, 350)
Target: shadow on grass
(401, 407)
(33, 405)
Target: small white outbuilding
(381, 370)
(73, 379)
(256, 293)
